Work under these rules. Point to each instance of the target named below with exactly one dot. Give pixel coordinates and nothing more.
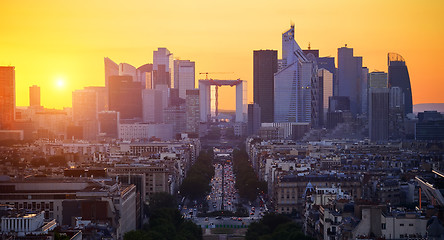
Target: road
(223, 197)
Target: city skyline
(69, 42)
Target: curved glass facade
(398, 76)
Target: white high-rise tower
(292, 83)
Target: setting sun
(60, 83)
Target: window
(411, 224)
(401, 224)
(383, 226)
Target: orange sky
(48, 40)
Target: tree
(161, 200)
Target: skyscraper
(111, 69)
(34, 96)
(126, 69)
(145, 73)
(184, 76)
(193, 110)
(292, 83)
(84, 112)
(378, 107)
(125, 96)
(398, 76)
(254, 119)
(329, 64)
(326, 91)
(152, 106)
(163, 68)
(7, 96)
(108, 124)
(377, 80)
(264, 67)
(350, 78)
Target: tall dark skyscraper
(265, 65)
(350, 78)
(379, 114)
(7, 96)
(125, 96)
(254, 119)
(398, 76)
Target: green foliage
(275, 227)
(197, 182)
(161, 200)
(246, 180)
(166, 223)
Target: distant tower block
(209, 101)
(34, 96)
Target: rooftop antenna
(309, 47)
(292, 23)
(346, 45)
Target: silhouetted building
(34, 96)
(398, 76)
(101, 93)
(315, 52)
(111, 69)
(329, 64)
(336, 103)
(109, 124)
(152, 106)
(254, 119)
(350, 78)
(264, 67)
(84, 112)
(193, 111)
(74, 132)
(325, 79)
(145, 73)
(7, 96)
(396, 114)
(377, 80)
(176, 116)
(430, 126)
(379, 114)
(125, 96)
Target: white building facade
(292, 83)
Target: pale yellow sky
(52, 39)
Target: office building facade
(379, 114)
(7, 96)
(264, 67)
(125, 96)
(184, 76)
(34, 96)
(398, 76)
(192, 111)
(350, 78)
(254, 119)
(292, 83)
(163, 68)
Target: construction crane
(217, 87)
(206, 73)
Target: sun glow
(60, 83)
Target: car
(206, 219)
(252, 213)
(218, 217)
(239, 219)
